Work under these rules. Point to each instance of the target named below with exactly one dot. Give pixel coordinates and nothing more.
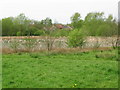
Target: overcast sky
(58, 10)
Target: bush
(76, 38)
(19, 33)
(60, 32)
(39, 32)
(30, 31)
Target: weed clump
(105, 56)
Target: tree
(76, 21)
(76, 38)
(93, 21)
(31, 30)
(38, 24)
(47, 24)
(21, 23)
(98, 25)
(110, 18)
(94, 15)
(39, 32)
(76, 17)
(48, 32)
(7, 26)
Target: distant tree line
(22, 26)
(94, 24)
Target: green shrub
(39, 32)
(60, 32)
(76, 38)
(19, 33)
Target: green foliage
(76, 17)
(47, 22)
(21, 23)
(60, 32)
(76, 38)
(31, 30)
(76, 21)
(39, 32)
(38, 24)
(95, 23)
(47, 25)
(7, 26)
(18, 33)
(94, 16)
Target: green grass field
(94, 69)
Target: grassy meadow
(92, 69)
(75, 52)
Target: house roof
(60, 26)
